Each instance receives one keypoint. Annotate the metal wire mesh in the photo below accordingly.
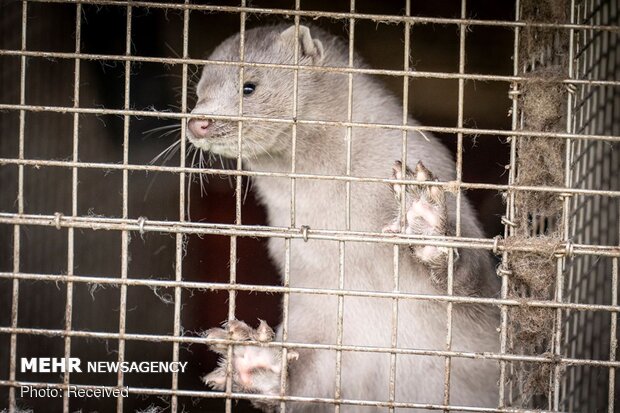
(582, 368)
(593, 335)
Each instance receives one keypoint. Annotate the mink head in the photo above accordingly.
(257, 92)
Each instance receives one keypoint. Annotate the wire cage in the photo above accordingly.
(120, 243)
(594, 164)
(583, 335)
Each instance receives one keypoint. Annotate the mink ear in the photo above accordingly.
(309, 47)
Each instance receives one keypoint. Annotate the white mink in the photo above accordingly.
(321, 204)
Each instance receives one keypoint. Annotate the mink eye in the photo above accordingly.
(248, 88)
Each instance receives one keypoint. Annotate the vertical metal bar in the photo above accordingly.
(294, 125)
(20, 209)
(232, 295)
(349, 135)
(340, 327)
(402, 206)
(394, 334)
(180, 238)
(448, 359)
(596, 231)
(613, 339)
(285, 305)
(459, 142)
(341, 244)
(406, 68)
(125, 234)
(74, 212)
(579, 265)
(459, 178)
(581, 69)
(572, 287)
(510, 212)
(577, 373)
(287, 241)
(561, 262)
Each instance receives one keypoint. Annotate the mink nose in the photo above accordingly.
(199, 127)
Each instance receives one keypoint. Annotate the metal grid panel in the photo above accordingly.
(594, 220)
(591, 175)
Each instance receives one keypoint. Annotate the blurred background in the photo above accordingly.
(47, 190)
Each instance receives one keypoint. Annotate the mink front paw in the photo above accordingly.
(425, 213)
(255, 368)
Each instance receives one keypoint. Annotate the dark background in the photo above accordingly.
(157, 32)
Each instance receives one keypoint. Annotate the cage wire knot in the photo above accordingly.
(141, 222)
(508, 222)
(304, 232)
(57, 217)
(502, 270)
(514, 91)
(565, 251)
(496, 240)
(571, 88)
